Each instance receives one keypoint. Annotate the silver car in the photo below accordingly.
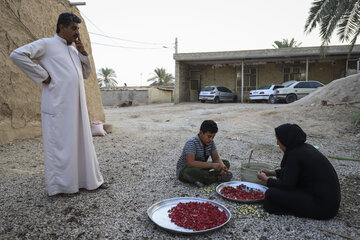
(217, 94)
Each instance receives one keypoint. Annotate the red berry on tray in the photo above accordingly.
(197, 216)
(242, 192)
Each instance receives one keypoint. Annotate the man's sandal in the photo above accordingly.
(105, 185)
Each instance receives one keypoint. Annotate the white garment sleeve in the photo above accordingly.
(85, 64)
(23, 56)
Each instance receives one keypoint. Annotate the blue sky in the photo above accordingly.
(141, 30)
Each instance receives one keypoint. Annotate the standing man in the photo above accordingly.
(69, 153)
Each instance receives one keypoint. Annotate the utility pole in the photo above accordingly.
(176, 80)
(176, 45)
(242, 82)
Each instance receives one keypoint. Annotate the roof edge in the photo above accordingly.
(267, 53)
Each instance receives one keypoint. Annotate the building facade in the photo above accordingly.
(242, 71)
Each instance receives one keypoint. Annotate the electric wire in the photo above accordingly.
(91, 22)
(120, 46)
(126, 40)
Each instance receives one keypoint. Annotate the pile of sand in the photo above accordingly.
(343, 90)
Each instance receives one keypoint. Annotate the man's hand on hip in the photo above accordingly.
(47, 81)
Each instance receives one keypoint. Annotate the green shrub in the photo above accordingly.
(356, 118)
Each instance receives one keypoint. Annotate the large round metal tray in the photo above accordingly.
(237, 183)
(158, 213)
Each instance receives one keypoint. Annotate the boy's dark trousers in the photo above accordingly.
(203, 175)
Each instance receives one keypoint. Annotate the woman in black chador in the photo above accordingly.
(306, 185)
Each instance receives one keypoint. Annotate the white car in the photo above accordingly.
(264, 93)
(294, 90)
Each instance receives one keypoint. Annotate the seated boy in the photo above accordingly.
(193, 166)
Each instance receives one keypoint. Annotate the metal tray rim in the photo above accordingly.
(220, 186)
(188, 231)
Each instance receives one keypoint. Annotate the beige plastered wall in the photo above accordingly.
(21, 22)
(270, 73)
(159, 96)
(224, 76)
(325, 72)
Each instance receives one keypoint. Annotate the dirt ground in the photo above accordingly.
(139, 161)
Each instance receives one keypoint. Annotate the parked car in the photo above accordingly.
(294, 90)
(264, 93)
(217, 94)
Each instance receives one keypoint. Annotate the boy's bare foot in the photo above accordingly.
(226, 178)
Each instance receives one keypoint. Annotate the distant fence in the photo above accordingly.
(112, 96)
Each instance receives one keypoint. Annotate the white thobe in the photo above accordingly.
(69, 153)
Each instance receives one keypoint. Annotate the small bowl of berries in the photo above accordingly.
(245, 192)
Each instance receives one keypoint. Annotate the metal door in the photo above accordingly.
(195, 85)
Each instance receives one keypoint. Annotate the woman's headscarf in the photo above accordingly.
(290, 135)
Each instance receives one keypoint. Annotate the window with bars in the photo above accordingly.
(352, 63)
(250, 78)
(293, 73)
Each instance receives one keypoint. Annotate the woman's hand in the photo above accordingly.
(262, 176)
(268, 172)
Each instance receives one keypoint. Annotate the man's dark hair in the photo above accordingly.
(208, 126)
(65, 19)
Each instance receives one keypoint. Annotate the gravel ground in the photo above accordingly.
(139, 161)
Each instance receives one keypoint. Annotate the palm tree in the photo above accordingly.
(286, 44)
(106, 76)
(100, 82)
(161, 78)
(343, 15)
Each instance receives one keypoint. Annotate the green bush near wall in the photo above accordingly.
(356, 119)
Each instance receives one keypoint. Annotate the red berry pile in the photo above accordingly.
(242, 192)
(197, 216)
